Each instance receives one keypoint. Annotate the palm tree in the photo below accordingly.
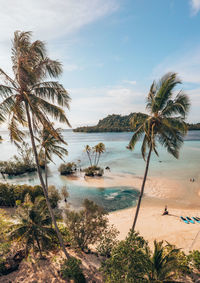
(163, 262)
(165, 123)
(29, 100)
(100, 149)
(88, 150)
(51, 145)
(33, 226)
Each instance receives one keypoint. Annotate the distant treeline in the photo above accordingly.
(117, 123)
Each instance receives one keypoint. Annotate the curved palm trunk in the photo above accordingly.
(98, 158)
(43, 184)
(142, 189)
(89, 158)
(45, 165)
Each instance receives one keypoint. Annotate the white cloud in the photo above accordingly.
(195, 4)
(90, 105)
(48, 19)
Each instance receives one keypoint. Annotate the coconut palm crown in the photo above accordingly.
(28, 90)
(165, 124)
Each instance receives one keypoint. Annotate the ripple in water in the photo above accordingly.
(111, 199)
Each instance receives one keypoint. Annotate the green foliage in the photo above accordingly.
(4, 241)
(34, 225)
(111, 123)
(107, 241)
(9, 194)
(93, 171)
(67, 168)
(87, 225)
(70, 270)
(164, 263)
(129, 261)
(23, 163)
(132, 260)
(54, 196)
(194, 258)
(118, 123)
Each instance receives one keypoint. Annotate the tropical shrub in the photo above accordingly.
(94, 171)
(87, 225)
(54, 196)
(34, 225)
(21, 163)
(108, 240)
(70, 270)
(164, 262)
(4, 241)
(132, 260)
(67, 169)
(14, 168)
(129, 261)
(9, 194)
(194, 258)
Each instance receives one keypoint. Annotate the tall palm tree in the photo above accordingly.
(29, 100)
(163, 262)
(165, 123)
(88, 151)
(33, 226)
(100, 149)
(51, 145)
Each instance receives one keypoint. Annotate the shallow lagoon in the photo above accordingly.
(119, 159)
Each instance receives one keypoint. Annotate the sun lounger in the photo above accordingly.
(195, 219)
(184, 220)
(190, 220)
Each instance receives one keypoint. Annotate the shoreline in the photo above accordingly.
(151, 224)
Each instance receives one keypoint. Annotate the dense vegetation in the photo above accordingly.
(118, 123)
(10, 195)
(21, 163)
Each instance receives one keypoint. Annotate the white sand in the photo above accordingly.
(151, 224)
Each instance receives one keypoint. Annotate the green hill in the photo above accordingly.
(117, 123)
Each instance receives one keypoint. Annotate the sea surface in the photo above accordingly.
(119, 159)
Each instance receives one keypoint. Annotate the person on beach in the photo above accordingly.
(166, 212)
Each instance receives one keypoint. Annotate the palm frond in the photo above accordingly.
(52, 91)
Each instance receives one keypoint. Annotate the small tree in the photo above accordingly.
(33, 226)
(129, 261)
(87, 225)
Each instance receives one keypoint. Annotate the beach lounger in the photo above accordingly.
(190, 220)
(184, 220)
(195, 219)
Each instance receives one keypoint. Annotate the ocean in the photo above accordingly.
(119, 159)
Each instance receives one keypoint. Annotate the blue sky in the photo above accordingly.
(111, 50)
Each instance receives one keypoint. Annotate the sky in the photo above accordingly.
(111, 50)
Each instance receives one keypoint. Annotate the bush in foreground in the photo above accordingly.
(70, 270)
(132, 261)
(87, 225)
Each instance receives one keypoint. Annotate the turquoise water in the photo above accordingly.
(119, 159)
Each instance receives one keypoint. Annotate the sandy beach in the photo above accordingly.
(181, 196)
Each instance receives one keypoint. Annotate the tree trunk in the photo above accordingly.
(142, 189)
(89, 158)
(45, 165)
(38, 244)
(43, 184)
(98, 158)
